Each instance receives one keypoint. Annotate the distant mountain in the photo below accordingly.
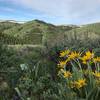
(13, 21)
(40, 32)
(31, 32)
(36, 26)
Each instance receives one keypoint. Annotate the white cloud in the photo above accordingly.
(69, 9)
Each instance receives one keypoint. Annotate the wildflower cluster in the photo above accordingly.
(78, 84)
(79, 77)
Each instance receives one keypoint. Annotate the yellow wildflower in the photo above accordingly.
(96, 74)
(85, 58)
(97, 59)
(62, 64)
(88, 56)
(79, 83)
(74, 55)
(67, 74)
(64, 53)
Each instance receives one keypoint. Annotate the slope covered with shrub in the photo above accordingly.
(31, 71)
(85, 36)
(34, 32)
(7, 25)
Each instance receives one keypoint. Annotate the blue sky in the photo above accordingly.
(52, 11)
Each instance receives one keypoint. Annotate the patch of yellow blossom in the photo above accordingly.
(97, 59)
(78, 84)
(67, 74)
(62, 63)
(74, 55)
(96, 74)
(88, 56)
(64, 53)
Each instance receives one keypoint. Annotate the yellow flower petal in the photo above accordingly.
(64, 53)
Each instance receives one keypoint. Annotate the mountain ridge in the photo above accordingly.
(40, 32)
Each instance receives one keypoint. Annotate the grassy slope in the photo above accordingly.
(90, 30)
(34, 32)
(7, 25)
(38, 32)
(86, 33)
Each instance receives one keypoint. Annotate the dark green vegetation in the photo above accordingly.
(36, 44)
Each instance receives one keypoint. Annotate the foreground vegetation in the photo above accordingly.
(41, 61)
(67, 75)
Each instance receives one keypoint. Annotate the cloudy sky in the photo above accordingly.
(52, 11)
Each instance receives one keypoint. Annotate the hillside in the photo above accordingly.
(4, 25)
(88, 35)
(39, 32)
(35, 26)
(32, 32)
